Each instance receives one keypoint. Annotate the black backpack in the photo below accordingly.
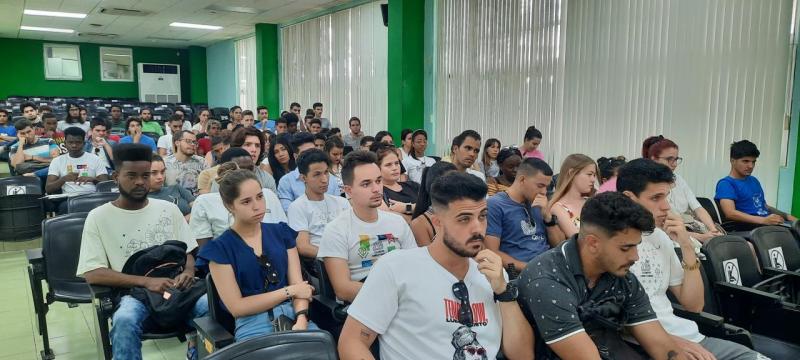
(173, 308)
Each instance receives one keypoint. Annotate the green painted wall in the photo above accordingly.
(793, 140)
(267, 67)
(198, 75)
(406, 64)
(23, 71)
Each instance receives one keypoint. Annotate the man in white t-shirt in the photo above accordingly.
(659, 269)
(76, 171)
(116, 230)
(309, 214)
(450, 300)
(165, 146)
(357, 238)
(464, 151)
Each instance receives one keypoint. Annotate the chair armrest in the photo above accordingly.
(757, 296)
(103, 298)
(338, 311)
(212, 335)
(771, 271)
(702, 318)
(36, 262)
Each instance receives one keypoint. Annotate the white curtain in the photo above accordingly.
(704, 73)
(610, 73)
(499, 68)
(246, 73)
(338, 60)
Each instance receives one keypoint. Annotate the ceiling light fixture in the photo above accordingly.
(196, 26)
(54, 13)
(47, 29)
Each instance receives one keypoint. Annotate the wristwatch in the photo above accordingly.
(301, 312)
(509, 295)
(553, 221)
(408, 209)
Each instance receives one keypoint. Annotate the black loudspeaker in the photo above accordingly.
(385, 14)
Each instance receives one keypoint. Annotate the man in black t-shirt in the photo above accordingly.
(581, 294)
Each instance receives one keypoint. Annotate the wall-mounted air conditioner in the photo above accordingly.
(159, 83)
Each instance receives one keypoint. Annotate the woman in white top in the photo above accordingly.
(209, 218)
(488, 164)
(575, 185)
(416, 161)
(202, 121)
(406, 143)
(73, 119)
(681, 199)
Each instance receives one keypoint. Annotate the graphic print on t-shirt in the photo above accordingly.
(651, 274)
(371, 247)
(465, 342)
(758, 201)
(148, 235)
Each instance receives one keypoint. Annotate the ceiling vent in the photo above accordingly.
(216, 8)
(97, 35)
(124, 12)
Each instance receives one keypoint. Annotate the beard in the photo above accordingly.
(459, 249)
(134, 197)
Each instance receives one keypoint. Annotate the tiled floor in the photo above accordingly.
(71, 329)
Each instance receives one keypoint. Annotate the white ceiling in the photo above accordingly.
(139, 30)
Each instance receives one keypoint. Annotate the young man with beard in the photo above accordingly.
(648, 183)
(183, 167)
(581, 293)
(116, 230)
(357, 238)
(464, 151)
(520, 224)
(449, 300)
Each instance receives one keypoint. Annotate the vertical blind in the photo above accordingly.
(704, 73)
(246, 73)
(499, 68)
(339, 60)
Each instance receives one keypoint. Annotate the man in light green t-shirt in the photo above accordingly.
(148, 124)
(116, 230)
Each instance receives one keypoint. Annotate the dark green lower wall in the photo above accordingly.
(22, 67)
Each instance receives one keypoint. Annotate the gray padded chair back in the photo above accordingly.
(290, 345)
(776, 247)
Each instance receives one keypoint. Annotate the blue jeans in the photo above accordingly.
(260, 324)
(126, 329)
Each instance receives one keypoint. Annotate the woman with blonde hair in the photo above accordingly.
(575, 184)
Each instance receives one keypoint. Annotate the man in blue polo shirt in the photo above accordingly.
(740, 195)
(291, 185)
(520, 224)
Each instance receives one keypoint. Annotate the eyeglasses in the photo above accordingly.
(671, 160)
(465, 310)
(272, 275)
(190, 142)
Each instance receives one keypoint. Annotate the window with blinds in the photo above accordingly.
(246, 73)
(597, 77)
(339, 60)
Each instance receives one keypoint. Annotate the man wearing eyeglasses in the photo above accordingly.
(183, 167)
(520, 224)
(99, 145)
(450, 300)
